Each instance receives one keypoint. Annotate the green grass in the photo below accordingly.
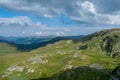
(7, 48)
(57, 61)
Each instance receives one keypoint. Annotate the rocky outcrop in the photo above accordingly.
(37, 59)
(96, 65)
(77, 74)
(115, 74)
(109, 44)
(16, 68)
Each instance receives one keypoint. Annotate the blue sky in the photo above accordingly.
(57, 17)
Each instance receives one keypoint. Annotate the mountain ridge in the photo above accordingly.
(30, 43)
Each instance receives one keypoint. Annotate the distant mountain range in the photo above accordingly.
(33, 42)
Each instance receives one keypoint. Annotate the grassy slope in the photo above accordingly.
(60, 57)
(6, 48)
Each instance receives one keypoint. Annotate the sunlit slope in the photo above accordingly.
(63, 60)
(103, 42)
(6, 48)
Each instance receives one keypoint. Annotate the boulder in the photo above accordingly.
(96, 66)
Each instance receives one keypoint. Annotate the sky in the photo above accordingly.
(57, 17)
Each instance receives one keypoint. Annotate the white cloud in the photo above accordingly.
(89, 13)
(88, 7)
(79, 10)
(60, 33)
(22, 25)
(24, 32)
(21, 21)
(38, 33)
(107, 19)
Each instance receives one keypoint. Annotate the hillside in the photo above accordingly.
(105, 42)
(90, 58)
(7, 48)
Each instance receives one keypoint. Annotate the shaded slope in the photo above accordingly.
(79, 73)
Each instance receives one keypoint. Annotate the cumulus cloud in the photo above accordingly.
(24, 26)
(38, 33)
(21, 25)
(60, 33)
(20, 21)
(88, 7)
(89, 11)
(24, 32)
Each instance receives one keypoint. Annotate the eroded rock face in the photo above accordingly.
(115, 74)
(109, 44)
(112, 46)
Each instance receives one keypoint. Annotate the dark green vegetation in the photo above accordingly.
(90, 58)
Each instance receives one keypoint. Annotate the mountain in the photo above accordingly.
(34, 42)
(27, 40)
(35, 39)
(106, 42)
(92, 57)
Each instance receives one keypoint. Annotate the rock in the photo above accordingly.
(31, 70)
(4, 76)
(83, 47)
(61, 53)
(109, 44)
(76, 54)
(116, 55)
(96, 65)
(68, 42)
(68, 66)
(37, 59)
(84, 57)
(115, 74)
(15, 68)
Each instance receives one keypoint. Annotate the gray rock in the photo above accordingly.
(115, 74)
(15, 68)
(96, 65)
